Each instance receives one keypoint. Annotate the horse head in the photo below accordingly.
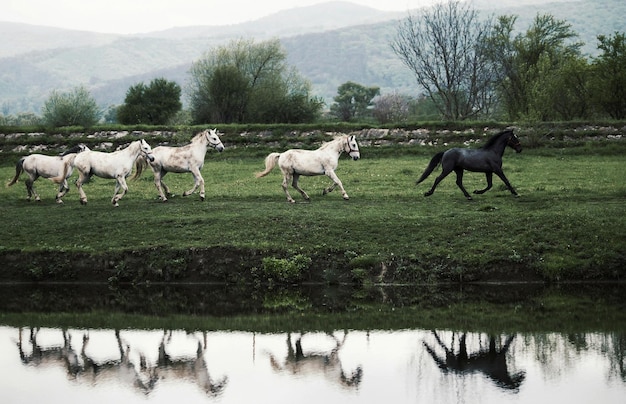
(146, 150)
(514, 143)
(214, 139)
(352, 147)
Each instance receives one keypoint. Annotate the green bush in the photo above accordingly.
(286, 270)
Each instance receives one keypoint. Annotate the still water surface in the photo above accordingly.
(128, 365)
(403, 366)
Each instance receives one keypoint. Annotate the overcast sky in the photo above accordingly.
(136, 16)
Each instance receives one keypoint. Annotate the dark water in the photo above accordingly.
(372, 363)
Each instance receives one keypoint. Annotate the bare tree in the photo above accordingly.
(444, 47)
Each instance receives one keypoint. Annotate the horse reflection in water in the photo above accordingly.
(140, 375)
(326, 363)
(491, 362)
(120, 369)
(195, 369)
(52, 355)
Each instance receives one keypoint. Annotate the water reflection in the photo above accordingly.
(490, 360)
(402, 366)
(112, 357)
(235, 344)
(326, 363)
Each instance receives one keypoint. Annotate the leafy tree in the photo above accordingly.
(21, 119)
(526, 60)
(74, 108)
(609, 76)
(249, 82)
(444, 48)
(561, 90)
(154, 104)
(352, 101)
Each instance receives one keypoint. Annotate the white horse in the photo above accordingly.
(116, 165)
(40, 165)
(323, 161)
(184, 159)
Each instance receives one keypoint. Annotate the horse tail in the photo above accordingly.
(434, 162)
(19, 169)
(66, 170)
(140, 164)
(270, 163)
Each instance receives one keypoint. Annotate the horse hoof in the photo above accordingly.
(428, 193)
(202, 198)
(60, 202)
(83, 202)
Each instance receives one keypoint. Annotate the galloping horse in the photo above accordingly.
(487, 159)
(188, 158)
(40, 165)
(323, 161)
(116, 165)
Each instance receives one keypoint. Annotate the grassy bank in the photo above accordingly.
(568, 224)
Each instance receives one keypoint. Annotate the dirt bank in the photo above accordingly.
(238, 266)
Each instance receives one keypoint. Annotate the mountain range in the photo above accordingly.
(329, 44)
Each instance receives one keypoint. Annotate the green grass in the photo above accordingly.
(568, 223)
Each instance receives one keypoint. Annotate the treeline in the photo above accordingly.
(467, 67)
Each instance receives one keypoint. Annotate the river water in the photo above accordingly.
(78, 364)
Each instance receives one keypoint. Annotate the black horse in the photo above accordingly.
(487, 159)
(491, 361)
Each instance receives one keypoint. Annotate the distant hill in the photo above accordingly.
(329, 44)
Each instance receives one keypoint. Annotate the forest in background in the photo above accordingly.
(109, 64)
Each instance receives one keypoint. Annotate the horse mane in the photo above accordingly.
(495, 138)
(197, 137)
(335, 138)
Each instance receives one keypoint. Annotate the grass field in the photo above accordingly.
(569, 222)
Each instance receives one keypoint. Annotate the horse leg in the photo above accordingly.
(441, 176)
(198, 182)
(82, 178)
(119, 184)
(336, 183)
(286, 178)
(294, 184)
(489, 176)
(30, 189)
(459, 182)
(63, 189)
(158, 183)
(500, 174)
